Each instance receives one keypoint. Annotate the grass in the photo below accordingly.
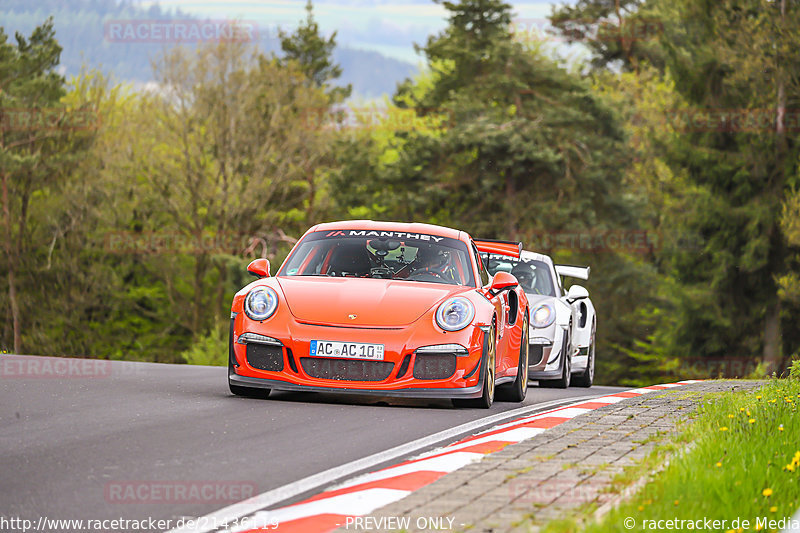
(743, 463)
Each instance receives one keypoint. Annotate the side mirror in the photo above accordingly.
(259, 268)
(577, 292)
(503, 281)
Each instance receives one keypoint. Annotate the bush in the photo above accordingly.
(209, 350)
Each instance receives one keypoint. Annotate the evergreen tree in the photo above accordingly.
(314, 54)
(33, 154)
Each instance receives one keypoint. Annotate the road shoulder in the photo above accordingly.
(572, 465)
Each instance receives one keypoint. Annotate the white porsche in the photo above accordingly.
(562, 323)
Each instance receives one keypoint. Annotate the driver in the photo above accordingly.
(430, 260)
(525, 276)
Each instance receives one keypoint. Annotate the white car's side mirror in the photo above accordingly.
(577, 292)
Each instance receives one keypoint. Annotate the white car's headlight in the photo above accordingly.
(261, 303)
(543, 316)
(455, 314)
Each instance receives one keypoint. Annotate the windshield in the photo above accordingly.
(533, 276)
(381, 254)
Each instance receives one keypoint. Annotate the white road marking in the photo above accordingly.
(444, 463)
(512, 435)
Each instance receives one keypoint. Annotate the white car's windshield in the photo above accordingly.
(381, 254)
(533, 276)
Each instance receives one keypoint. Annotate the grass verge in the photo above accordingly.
(742, 472)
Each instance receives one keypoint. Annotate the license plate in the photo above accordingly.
(349, 350)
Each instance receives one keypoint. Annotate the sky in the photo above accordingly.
(389, 27)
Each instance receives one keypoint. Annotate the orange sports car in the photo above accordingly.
(382, 308)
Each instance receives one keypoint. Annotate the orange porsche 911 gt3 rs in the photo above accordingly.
(382, 308)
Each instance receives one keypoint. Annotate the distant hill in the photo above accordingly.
(80, 26)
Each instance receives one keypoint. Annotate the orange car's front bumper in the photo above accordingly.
(283, 362)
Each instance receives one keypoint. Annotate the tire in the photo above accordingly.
(587, 377)
(515, 392)
(487, 398)
(566, 371)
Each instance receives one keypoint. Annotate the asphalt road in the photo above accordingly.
(135, 440)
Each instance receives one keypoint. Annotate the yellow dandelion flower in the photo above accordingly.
(766, 492)
(741, 409)
(677, 502)
(719, 465)
(724, 428)
(758, 397)
(748, 413)
(752, 420)
(773, 509)
(758, 527)
(730, 416)
(780, 428)
(641, 507)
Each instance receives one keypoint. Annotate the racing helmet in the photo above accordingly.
(526, 276)
(430, 257)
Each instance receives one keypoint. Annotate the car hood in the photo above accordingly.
(362, 301)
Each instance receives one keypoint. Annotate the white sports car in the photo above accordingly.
(562, 324)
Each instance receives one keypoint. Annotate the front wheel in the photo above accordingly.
(566, 370)
(487, 398)
(247, 392)
(515, 392)
(587, 377)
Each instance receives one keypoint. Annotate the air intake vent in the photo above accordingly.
(346, 369)
(265, 357)
(434, 366)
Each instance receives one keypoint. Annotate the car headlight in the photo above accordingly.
(543, 316)
(455, 314)
(261, 303)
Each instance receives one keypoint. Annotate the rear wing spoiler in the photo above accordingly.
(573, 271)
(491, 246)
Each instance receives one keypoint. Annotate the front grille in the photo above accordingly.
(535, 354)
(346, 369)
(434, 366)
(265, 357)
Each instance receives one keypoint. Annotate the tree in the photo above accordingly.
(619, 33)
(527, 145)
(229, 157)
(313, 53)
(743, 161)
(36, 150)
